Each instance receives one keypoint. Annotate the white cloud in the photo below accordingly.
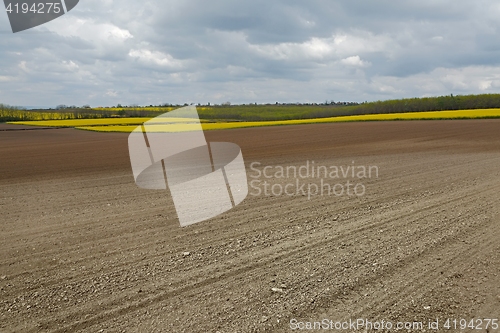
(70, 65)
(155, 57)
(111, 93)
(88, 29)
(4, 78)
(442, 81)
(336, 46)
(23, 66)
(355, 61)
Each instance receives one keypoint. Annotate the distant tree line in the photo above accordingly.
(441, 103)
(13, 113)
(260, 112)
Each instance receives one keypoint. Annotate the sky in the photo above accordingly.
(106, 52)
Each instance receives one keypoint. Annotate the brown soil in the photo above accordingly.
(83, 249)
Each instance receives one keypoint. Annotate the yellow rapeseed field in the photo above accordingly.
(147, 108)
(98, 122)
(127, 125)
(453, 114)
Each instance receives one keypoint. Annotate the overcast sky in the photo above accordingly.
(106, 52)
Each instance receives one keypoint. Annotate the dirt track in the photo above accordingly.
(83, 249)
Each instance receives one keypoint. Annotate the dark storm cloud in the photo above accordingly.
(109, 52)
